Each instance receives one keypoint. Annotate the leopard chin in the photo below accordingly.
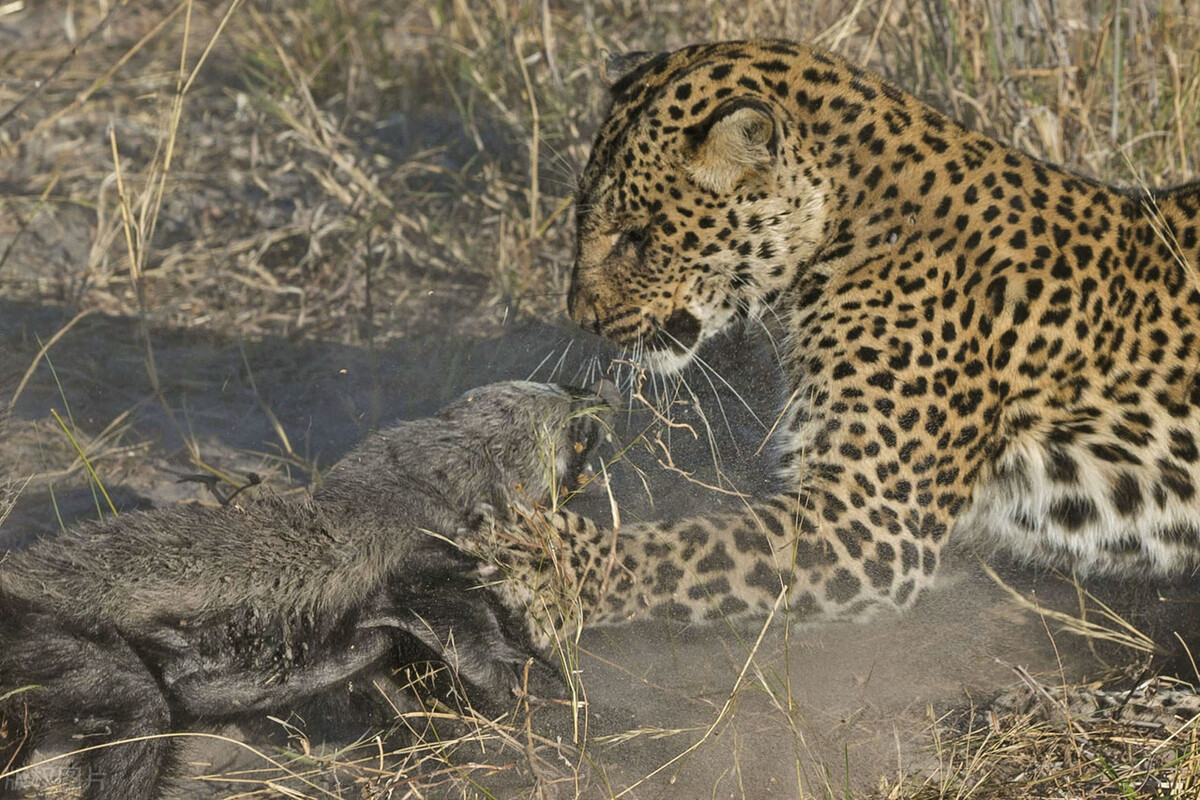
(667, 362)
(677, 341)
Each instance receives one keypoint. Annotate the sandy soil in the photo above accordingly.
(670, 713)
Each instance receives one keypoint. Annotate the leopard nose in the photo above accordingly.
(582, 308)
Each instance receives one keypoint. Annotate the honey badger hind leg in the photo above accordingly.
(70, 688)
(453, 619)
(229, 690)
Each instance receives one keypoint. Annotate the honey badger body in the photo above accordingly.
(131, 627)
(978, 344)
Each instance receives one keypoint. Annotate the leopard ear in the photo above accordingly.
(622, 68)
(738, 138)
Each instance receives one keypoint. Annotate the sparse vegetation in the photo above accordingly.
(1038, 742)
(286, 210)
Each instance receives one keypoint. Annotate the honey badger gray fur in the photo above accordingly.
(150, 621)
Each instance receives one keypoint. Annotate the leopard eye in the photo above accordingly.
(635, 238)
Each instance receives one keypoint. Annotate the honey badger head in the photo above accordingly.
(536, 437)
(514, 444)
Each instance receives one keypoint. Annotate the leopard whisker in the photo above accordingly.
(713, 446)
(592, 369)
(660, 400)
(632, 388)
(671, 391)
(533, 374)
(708, 369)
(771, 340)
(561, 168)
(558, 367)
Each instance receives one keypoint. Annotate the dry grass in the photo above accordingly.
(1128, 737)
(1041, 742)
(362, 172)
(332, 163)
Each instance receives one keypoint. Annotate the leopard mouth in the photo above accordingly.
(678, 333)
(671, 347)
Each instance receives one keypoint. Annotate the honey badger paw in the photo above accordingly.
(977, 344)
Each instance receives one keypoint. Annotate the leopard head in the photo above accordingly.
(694, 211)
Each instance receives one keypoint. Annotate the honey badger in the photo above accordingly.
(153, 621)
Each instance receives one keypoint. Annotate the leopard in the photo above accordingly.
(978, 346)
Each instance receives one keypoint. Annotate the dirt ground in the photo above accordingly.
(670, 713)
(341, 224)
